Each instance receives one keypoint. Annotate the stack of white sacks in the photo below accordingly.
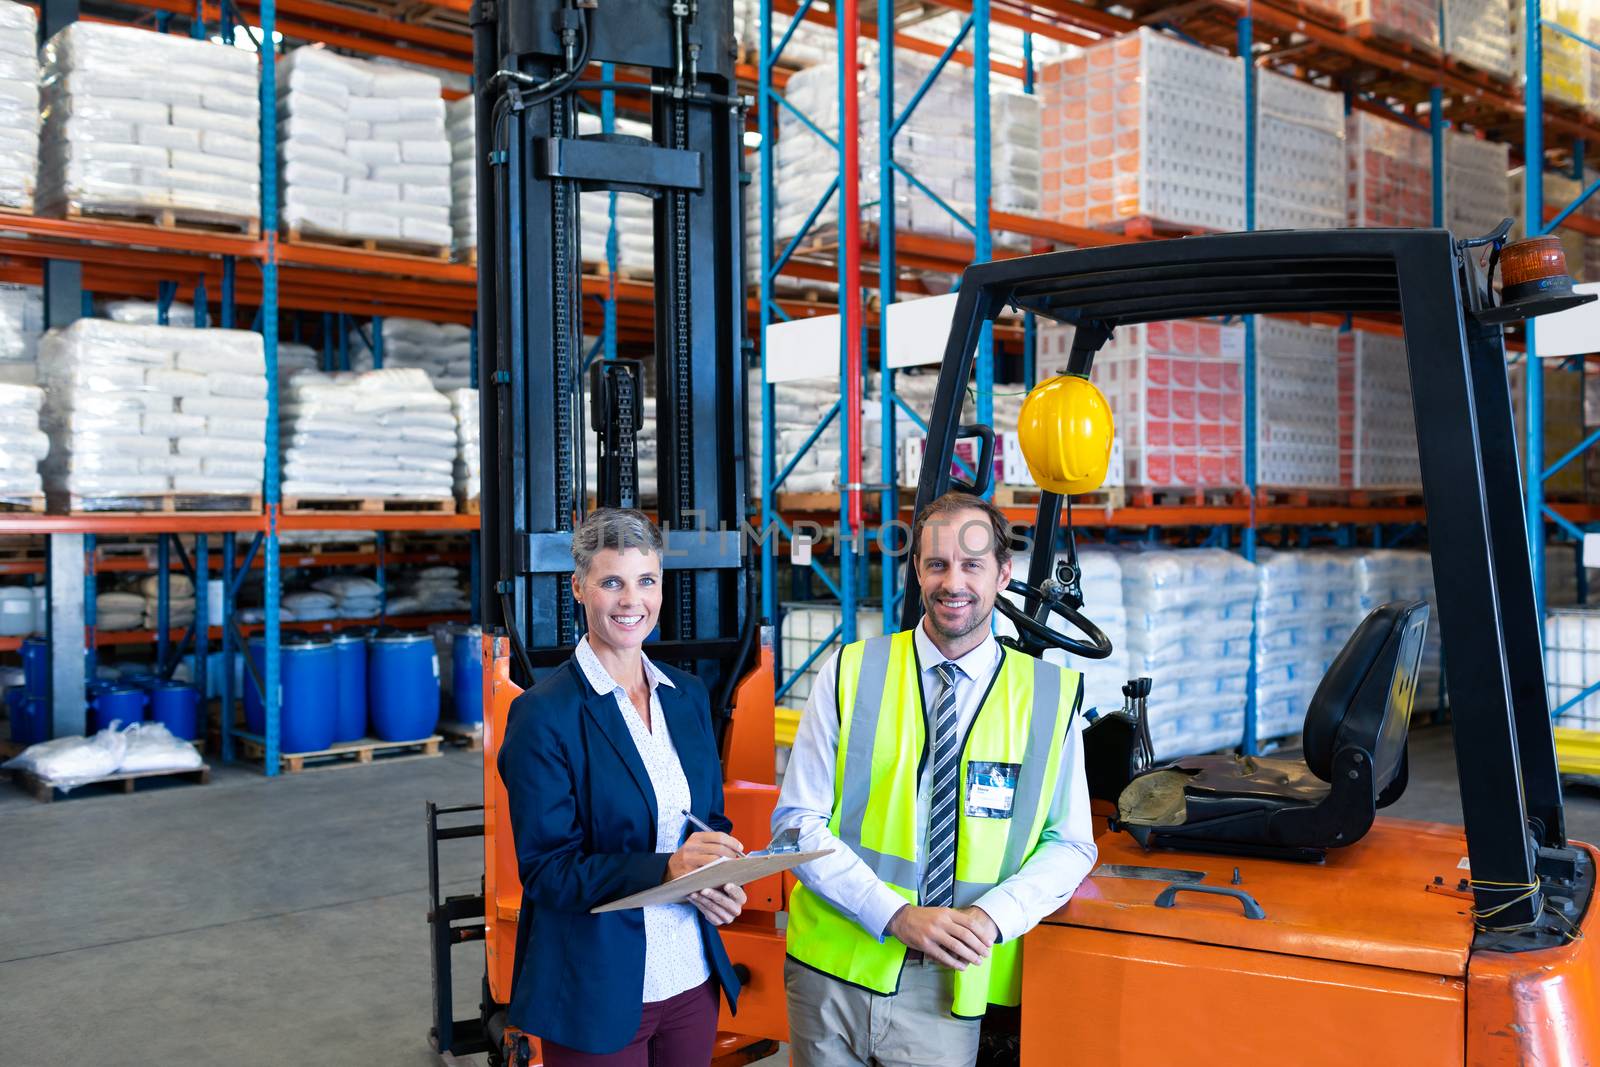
(21, 324)
(141, 123)
(382, 433)
(635, 212)
(460, 126)
(118, 609)
(1304, 604)
(1189, 623)
(180, 601)
(430, 591)
(355, 597)
(1101, 578)
(441, 349)
(148, 312)
(644, 448)
(294, 357)
(135, 410)
(363, 150)
(19, 104)
(937, 144)
(22, 444)
(469, 458)
(811, 42)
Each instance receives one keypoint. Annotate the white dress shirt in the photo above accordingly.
(1047, 878)
(674, 956)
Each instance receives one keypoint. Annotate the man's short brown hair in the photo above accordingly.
(956, 500)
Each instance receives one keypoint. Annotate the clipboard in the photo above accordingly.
(784, 854)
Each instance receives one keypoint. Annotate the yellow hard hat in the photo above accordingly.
(1065, 430)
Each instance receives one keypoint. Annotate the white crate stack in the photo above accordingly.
(1477, 184)
(363, 150)
(19, 105)
(149, 125)
(1300, 158)
(1304, 602)
(1389, 166)
(22, 444)
(1190, 630)
(1478, 33)
(469, 458)
(1410, 21)
(459, 123)
(1572, 664)
(1144, 126)
(1377, 427)
(381, 433)
(1297, 429)
(937, 145)
(804, 628)
(138, 410)
(443, 350)
(1176, 391)
(21, 324)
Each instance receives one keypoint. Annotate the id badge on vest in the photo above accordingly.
(991, 788)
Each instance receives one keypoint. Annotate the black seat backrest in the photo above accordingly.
(1365, 698)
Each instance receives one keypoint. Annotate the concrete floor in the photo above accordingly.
(273, 922)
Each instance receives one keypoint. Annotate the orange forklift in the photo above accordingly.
(1245, 910)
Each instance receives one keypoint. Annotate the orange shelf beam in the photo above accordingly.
(123, 523)
(375, 520)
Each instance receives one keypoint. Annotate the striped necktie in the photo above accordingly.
(940, 883)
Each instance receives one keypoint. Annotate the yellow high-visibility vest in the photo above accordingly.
(1014, 743)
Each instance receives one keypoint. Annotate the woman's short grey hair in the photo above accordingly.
(618, 528)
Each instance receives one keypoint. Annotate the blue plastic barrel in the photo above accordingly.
(307, 678)
(350, 655)
(118, 703)
(30, 719)
(402, 685)
(466, 674)
(176, 705)
(36, 667)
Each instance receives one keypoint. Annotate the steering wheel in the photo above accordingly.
(1098, 645)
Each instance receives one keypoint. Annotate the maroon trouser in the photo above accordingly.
(676, 1032)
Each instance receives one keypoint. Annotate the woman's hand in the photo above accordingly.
(700, 849)
(719, 906)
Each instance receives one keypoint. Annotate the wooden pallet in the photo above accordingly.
(1027, 496)
(176, 219)
(1280, 496)
(349, 754)
(156, 503)
(469, 257)
(1145, 226)
(1491, 79)
(44, 792)
(470, 507)
(418, 249)
(1398, 498)
(305, 505)
(1382, 37)
(1155, 496)
(467, 735)
(22, 505)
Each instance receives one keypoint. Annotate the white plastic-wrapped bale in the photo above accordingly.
(363, 151)
(382, 433)
(22, 444)
(19, 104)
(1190, 630)
(294, 357)
(442, 349)
(21, 324)
(137, 411)
(434, 590)
(1304, 601)
(469, 460)
(148, 312)
(460, 126)
(635, 212)
(149, 125)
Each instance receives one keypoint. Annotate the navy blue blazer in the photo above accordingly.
(584, 816)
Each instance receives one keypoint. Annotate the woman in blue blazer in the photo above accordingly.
(601, 758)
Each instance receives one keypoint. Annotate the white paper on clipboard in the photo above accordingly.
(719, 872)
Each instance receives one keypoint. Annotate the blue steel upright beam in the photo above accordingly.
(1247, 536)
(888, 287)
(608, 125)
(1533, 214)
(1436, 128)
(270, 577)
(847, 26)
(983, 238)
(766, 107)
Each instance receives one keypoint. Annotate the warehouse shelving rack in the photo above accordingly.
(1430, 93)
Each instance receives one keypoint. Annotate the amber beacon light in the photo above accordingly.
(1533, 281)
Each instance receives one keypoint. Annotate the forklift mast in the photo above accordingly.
(537, 65)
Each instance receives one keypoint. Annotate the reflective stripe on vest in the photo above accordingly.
(1023, 718)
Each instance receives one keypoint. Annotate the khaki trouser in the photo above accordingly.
(834, 1024)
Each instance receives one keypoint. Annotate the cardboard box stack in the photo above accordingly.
(1300, 155)
(1389, 171)
(1377, 429)
(1297, 429)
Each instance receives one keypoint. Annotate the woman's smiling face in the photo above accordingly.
(621, 596)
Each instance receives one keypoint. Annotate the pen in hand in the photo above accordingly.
(701, 824)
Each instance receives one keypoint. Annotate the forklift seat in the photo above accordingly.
(1354, 762)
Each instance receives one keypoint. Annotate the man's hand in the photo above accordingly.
(982, 925)
(949, 937)
(699, 849)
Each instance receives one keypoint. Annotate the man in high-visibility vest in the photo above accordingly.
(946, 773)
